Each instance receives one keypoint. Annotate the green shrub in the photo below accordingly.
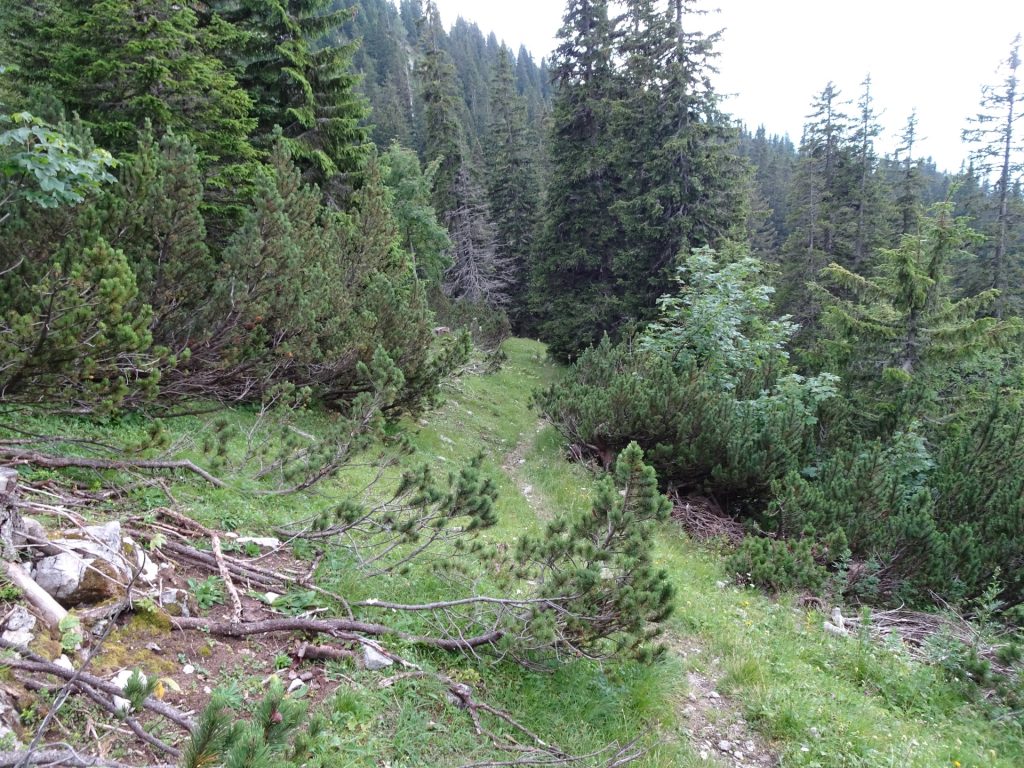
(779, 565)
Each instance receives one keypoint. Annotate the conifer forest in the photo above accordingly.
(376, 392)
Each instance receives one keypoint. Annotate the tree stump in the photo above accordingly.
(10, 518)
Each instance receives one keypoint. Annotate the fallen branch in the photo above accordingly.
(108, 706)
(51, 611)
(63, 462)
(344, 628)
(63, 755)
(39, 665)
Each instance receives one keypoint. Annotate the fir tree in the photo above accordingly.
(899, 335)
(443, 137)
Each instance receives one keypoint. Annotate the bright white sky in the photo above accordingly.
(932, 55)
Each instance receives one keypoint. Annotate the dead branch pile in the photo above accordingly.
(703, 520)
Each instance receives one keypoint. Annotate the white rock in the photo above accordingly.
(721, 584)
(64, 663)
(266, 542)
(148, 571)
(60, 574)
(20, 638)
(374, 659)
(528, 489)
(724, 745)
(713, 695)
(296, 685)
(188, 669)
(271, 597)
(121, 678)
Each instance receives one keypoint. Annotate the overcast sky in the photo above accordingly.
(932, 55)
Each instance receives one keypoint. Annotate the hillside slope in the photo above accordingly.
(746, 680)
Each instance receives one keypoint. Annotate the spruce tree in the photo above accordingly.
(898, 335)
(822, 222)
(572, 294)
(513, 189)
(121, 65)
(1000, 154)
(443, 137)
(301, 85)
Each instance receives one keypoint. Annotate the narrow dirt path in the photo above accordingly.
(514, 465)
(712, 723)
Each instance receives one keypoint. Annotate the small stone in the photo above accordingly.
(292, 674)
(374, 660)
(714, 695)
(122, 704)
(121, 680)
(296, 685)
(749, 746)
(188, 669)
(527, 490)
(724, 745)
(154, 648)
(64, 662)
(738, 755)
(446, 440)
(692, 697)
(20, 620)
(20, 638)
(306, 676)
(271, 597)
(721, 584)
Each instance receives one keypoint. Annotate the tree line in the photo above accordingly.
(279, 200)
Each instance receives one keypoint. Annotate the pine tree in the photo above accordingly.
(155, 216)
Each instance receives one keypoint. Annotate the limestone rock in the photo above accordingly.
(74, 579)
(177, 602)
(374, 660)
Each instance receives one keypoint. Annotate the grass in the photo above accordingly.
(820, 700)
